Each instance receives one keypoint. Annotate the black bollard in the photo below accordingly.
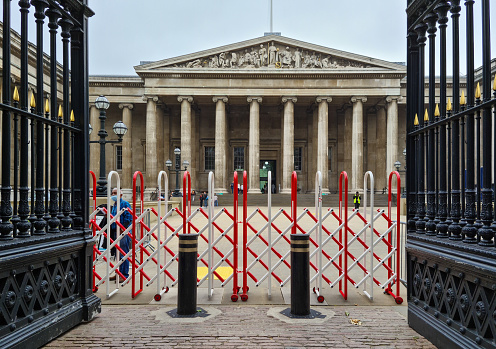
(187, 274)
(300, 275)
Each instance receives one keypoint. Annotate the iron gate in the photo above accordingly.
(45, 243)
(450, 244)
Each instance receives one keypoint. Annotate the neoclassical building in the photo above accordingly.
(271, 102)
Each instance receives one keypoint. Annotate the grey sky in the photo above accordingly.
(125, 32)
(122, 34)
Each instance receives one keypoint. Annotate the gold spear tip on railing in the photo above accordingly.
(47, 106)
(16, 94)
(462, 98)
(426, 115)
(477, 91)
(494, 85)
(60, 111)
(436, 112)
(33, 102)
(416, 122)
(72, 115)
(448, 107)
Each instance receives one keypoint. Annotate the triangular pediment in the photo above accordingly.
(271, 53)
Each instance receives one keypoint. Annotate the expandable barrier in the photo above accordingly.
(346, 247)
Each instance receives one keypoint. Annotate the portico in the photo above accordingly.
(308, 108)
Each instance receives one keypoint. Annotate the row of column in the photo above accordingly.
(287, 139)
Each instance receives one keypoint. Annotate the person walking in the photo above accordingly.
(125, 242)
(356, 200)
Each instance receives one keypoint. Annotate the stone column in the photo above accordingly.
(127, 153)
(151, 142)
(254, 146)
(94, 147)
(220, 144)
(380, 176)
(392, 132)
(357, 144)
(185, 131)
(323, 140)
(288, 147)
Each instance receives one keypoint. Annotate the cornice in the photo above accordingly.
(274, 75)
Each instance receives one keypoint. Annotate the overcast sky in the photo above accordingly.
(125, 32)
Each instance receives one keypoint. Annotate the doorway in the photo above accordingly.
(265, 167)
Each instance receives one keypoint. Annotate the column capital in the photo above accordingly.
(147, 97)
(224, 99)
(287, 99)
(129, 106)
(321, 99)
(256, 99)
(355, 99)
(185, 98)
(389, 99)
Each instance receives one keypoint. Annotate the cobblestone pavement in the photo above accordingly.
(242, 326)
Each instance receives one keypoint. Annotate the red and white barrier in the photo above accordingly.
(265, 247)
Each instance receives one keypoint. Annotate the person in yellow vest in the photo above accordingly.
(356, 201)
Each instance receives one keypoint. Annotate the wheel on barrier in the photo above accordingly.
(398, 300)
(244, 297)
(234, 298)
(314, 290)
(157, 297)
(95, 289)
(166, 289)
(247, 288)
(320, 299)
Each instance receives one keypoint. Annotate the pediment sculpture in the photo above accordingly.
(273, 55)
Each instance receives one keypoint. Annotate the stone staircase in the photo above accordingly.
(303, 200)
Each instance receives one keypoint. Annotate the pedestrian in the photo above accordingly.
(356, 201)
(273, 188)
(193, 194)
(241, 189)
(205, 195)
(202, 197)
(125, 242)
(232, 187)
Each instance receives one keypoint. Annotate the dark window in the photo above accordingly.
(329, 159)
(209, 158)
(118, 157)
(239, 158)
(297, 158)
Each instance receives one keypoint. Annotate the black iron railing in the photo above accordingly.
(45, 243)
(451, 168)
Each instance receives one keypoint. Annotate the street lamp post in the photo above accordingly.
(177, 169)
(119, 128)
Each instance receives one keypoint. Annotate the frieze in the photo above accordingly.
(273, 56)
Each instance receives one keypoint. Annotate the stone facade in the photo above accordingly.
(300, 106)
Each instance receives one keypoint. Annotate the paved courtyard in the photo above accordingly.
(257, 323)
(243, 326)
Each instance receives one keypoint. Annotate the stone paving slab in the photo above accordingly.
(242, 326)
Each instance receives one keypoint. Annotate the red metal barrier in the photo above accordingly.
(93, 228)
(133, 237)
(343, 177)
(234, 296)
(389, 290)
(244, 295)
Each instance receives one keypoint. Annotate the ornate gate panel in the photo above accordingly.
(451, 253)
(45, 244)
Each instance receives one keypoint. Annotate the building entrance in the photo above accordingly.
(265, 167)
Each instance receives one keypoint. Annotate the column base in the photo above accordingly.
(285, 191)
(221, 191)
(254, 191)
